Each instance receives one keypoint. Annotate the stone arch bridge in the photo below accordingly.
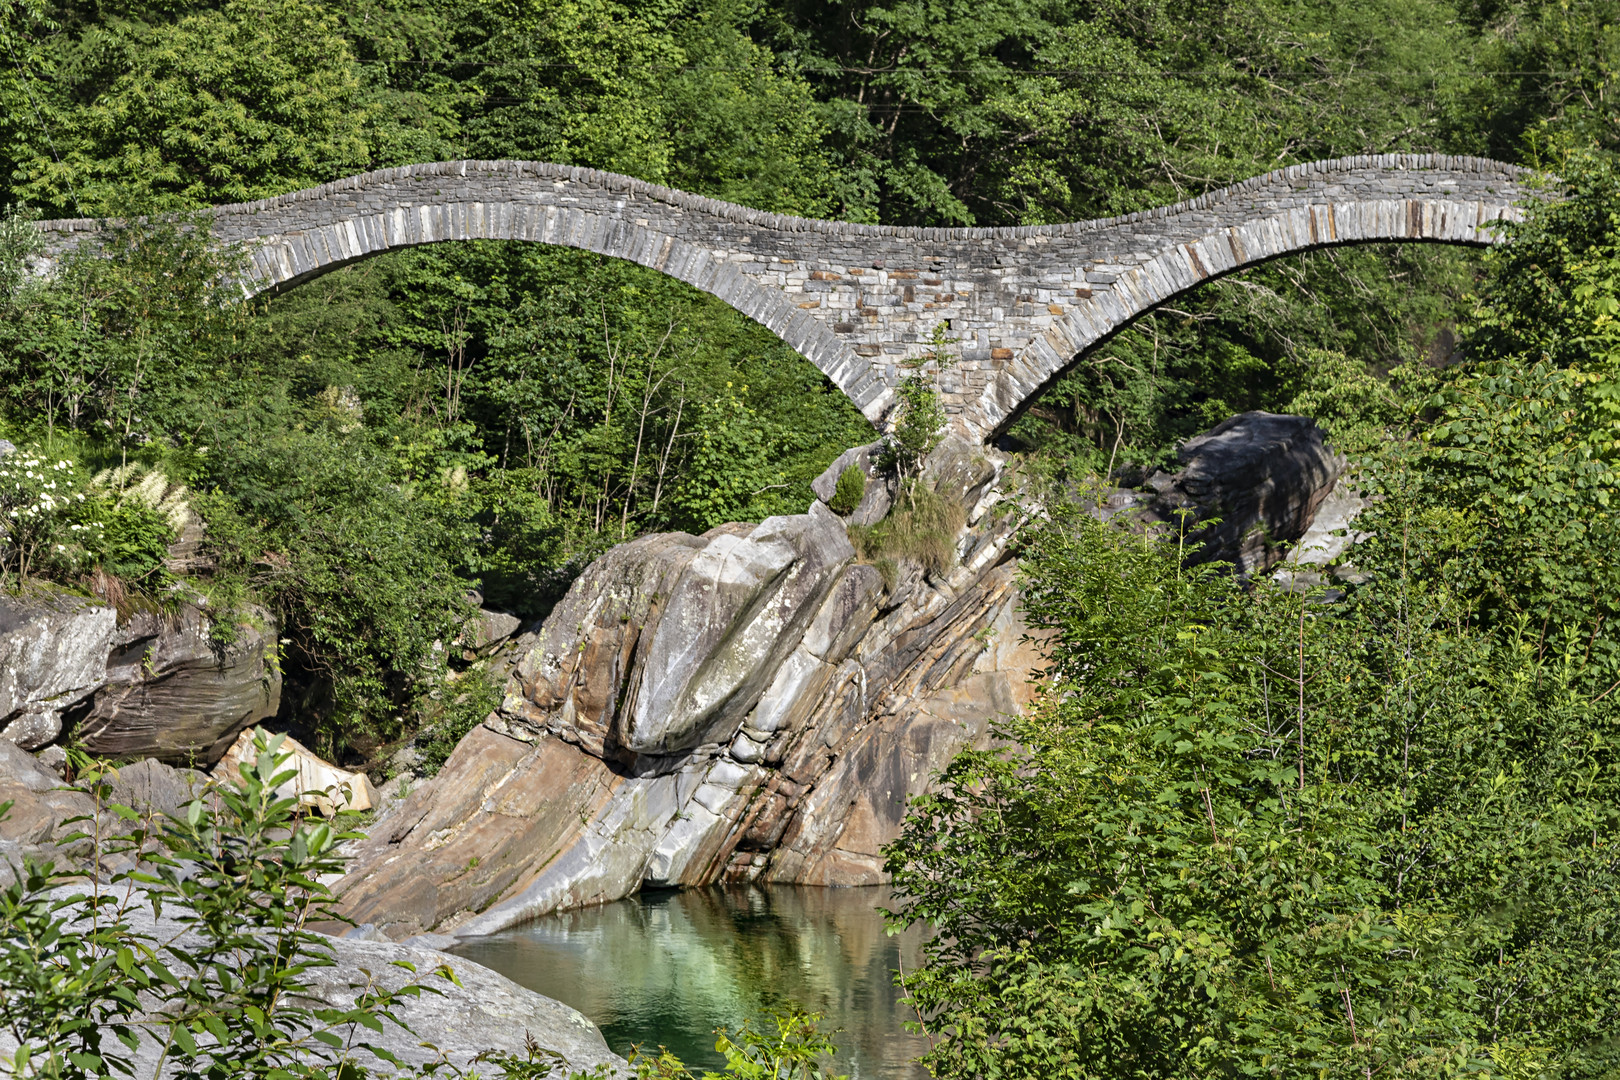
(858, 300)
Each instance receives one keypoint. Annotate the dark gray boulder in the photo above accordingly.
(175, 694)
(1250, 486)
(151, 788)
(42, 807)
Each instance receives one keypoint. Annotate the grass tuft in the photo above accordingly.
(922, 527)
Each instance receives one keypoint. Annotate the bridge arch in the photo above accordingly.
(858, 301)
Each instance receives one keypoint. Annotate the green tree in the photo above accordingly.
(1254, 831)
(219, 106)
(1247, 833)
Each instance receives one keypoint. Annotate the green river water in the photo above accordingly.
(667, 968)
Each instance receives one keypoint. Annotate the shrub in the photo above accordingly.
(1246, 832)
(40, 519)
(475, 696)
(242, 871)
(851, 488)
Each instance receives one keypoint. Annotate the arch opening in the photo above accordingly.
(1314, 332)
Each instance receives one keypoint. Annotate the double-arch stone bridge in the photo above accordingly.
(859, 301)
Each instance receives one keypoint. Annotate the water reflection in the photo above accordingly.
(668, 968)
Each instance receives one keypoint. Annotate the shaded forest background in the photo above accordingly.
(369, 447)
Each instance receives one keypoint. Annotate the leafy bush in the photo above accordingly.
(918, 422)
(473, 696)
(796, 1050)
(850, 489)
(1249, 833)
(134, 543)
(41, 526)
(241, 871)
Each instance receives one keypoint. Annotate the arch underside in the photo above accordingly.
(860, 302)
(1174, 272)
(278, 267)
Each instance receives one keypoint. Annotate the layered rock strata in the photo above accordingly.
(155, 684)
(750, 704)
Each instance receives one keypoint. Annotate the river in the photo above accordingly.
(667, 968)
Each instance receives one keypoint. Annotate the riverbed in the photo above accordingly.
(667, 968)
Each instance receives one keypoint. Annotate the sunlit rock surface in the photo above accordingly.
(751, 704)
(156, 683)
(477, 1012)
(53, 655)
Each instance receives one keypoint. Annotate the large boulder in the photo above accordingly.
(1249, 488)
(664, 644)
(755, 705)
(747, 704)
(174, 693)
(575, 671)
(53, 655)
(735, 613)
(42, 811)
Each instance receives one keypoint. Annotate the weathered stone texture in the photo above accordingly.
(156, 685)
(53, 655)
(699, 706)
(172, 693)
(857, 300)
(459, 1019)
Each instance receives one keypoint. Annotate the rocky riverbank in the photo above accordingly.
(758, 703)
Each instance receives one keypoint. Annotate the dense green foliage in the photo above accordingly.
(368, 448)
(1260, 831)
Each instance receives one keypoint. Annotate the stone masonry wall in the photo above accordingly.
(859, 300)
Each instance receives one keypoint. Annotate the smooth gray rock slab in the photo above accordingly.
(53, 654)
(736, 611)
(149, 787)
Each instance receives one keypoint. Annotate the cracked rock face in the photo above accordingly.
(173, 694)
(157, 685)
(749, 704)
